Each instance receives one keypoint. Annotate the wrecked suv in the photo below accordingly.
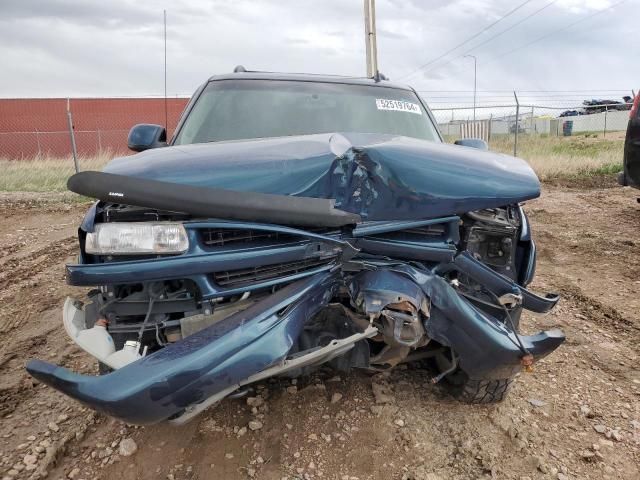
(295, 221)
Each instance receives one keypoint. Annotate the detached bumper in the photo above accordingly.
(168, 382)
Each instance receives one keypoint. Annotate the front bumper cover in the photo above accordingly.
(181, 375)
(183, 378)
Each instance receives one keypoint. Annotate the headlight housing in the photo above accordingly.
(137, 238)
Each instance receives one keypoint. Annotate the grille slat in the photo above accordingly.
(222, 237)
(247, 276)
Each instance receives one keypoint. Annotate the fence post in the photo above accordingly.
(38, 140)
(515, 139)
(490, 125)
(451, 123)
(532, 122)
(74, 150)
(606, 110)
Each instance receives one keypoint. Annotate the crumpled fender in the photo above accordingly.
(165, 383)
(485, 346)
(500, 285)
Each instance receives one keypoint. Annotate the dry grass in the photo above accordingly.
(550, 157)
(557, 157)
(44, 174)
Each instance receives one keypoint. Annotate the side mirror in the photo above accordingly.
(145, 136)
(473, 143)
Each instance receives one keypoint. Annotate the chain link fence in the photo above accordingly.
(36, 147)
(503, 124)
(557, 138)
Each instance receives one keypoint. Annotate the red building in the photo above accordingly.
(38, 126)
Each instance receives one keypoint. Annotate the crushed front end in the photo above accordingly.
(187, 309)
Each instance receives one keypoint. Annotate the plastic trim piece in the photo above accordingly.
(313, 357)
(164, 384)
(210, 202)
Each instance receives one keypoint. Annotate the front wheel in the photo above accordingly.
(470, 390)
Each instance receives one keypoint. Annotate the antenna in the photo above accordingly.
(166, 115)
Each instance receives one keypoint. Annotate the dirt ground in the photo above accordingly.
(577, 416)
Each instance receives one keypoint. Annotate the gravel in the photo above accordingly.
(127, 447)
(255, 425)
(589, 428)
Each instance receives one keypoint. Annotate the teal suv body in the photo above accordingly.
(291, 222)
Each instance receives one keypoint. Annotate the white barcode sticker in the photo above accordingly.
(398, 106)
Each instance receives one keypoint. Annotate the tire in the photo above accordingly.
(471, 390)
(483, 391)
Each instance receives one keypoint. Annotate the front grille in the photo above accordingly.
(248, 276)
(217, 237)
(436, 230)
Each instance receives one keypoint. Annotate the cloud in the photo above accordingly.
(65, 48)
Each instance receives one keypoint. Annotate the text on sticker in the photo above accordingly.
(398, 105)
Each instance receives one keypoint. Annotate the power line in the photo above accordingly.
(554, 32)
(524, 95)
(468, 39)
(524, 91)
(497, 34)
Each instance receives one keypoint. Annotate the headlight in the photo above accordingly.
(137, 238)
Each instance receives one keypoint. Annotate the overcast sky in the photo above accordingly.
(115, 47)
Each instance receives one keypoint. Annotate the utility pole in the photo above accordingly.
(166, 110)
(370, 37)
(475, 83)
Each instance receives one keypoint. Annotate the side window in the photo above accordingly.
(187, 108)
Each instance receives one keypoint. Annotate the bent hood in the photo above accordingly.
(379, 177)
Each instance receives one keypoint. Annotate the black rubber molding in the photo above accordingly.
(211, 202)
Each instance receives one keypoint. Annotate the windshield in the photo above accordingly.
(244, 109)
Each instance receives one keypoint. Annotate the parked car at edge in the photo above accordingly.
(631, 163)
(294, 221)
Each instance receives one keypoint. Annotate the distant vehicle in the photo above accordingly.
(512, 128)
(598, 106)
(631, 163)
(571, 113)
